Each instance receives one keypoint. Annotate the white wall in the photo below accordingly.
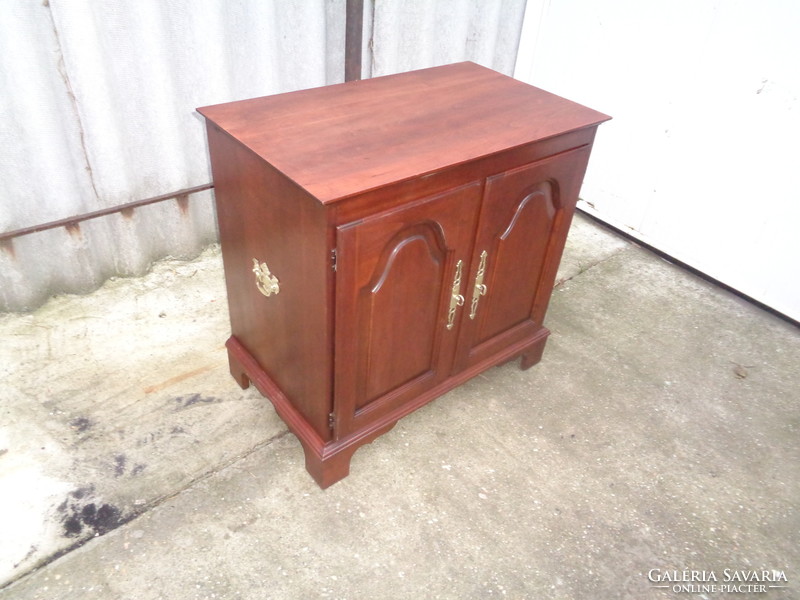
(701, 157)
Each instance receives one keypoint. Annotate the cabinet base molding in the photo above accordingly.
(329, 462)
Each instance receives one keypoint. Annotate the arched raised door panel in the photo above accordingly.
(394, 282)
(524, 219)
(398, 339)
(515, 257)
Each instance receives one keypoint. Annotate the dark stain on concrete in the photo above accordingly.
(120, 460)
(184, 402)
(149, 438)
(103, 518)
(72, 526)
(81, 492)
(80, 514)
(81, 424)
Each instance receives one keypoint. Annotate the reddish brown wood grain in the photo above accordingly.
(393, 297)
(263, 215)
(524, 221)
(363, 198)
(345, 139)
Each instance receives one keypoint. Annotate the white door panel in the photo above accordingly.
(701, 158)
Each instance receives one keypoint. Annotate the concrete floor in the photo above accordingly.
(660, 431)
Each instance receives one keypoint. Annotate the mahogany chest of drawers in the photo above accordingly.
(386, 240)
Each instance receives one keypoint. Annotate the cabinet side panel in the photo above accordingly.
(264, 216)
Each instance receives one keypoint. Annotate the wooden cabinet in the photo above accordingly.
(386, 240)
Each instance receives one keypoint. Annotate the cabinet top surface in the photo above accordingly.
(340, 140)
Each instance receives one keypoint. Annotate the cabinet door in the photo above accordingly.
(395, 330)
(525, 216)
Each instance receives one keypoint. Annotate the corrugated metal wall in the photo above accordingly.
(402, 35)
(97, 104)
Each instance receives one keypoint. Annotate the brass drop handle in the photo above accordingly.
(456, 299)
(479, 289)
(266, 282)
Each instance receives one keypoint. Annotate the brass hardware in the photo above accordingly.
(479, 289)
(266, 282)
(456, 299)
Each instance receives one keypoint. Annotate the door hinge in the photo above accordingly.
(331, 421)
(333, 259)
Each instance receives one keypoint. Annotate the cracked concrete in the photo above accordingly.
(116, 399)
(660, 431)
